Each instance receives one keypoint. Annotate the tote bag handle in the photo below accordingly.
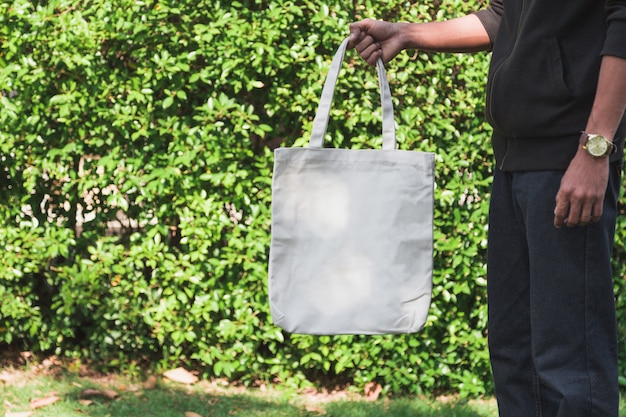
(323, 111)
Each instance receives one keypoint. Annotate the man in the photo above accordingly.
(556, 96)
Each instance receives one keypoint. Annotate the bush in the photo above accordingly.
(136, 160)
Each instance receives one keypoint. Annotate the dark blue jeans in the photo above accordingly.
(552, 327)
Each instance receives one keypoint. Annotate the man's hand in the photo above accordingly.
(375, 39)
(581, 196)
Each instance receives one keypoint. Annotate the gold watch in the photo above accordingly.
(596, 145)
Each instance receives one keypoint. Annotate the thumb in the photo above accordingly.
(355, 34)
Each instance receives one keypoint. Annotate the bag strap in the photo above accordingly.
(323, 111)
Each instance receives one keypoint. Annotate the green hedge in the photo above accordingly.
(135, 161)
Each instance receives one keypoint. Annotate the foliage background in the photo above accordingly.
(135, 162)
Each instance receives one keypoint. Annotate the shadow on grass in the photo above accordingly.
(404, 408)
(169, 400)
(176, 400)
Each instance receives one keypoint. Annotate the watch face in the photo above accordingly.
(597, 145)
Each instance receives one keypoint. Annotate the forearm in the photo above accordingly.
(579, 200)
(463, 34)
(610, 101)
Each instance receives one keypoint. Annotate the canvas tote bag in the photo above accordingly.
(352, 240)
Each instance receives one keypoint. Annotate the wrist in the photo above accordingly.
(409, 35)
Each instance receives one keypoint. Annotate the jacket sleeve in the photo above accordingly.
(615, 43)
(491, 18)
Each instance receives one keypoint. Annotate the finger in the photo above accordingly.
(574, 216)
(372, 53)
(369, 50)
(596, 214)
(560, 212)
(364, 43)
(586, 215)
(559, 221)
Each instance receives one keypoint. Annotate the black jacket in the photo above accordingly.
(543, 76)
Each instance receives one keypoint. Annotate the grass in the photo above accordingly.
(28, 390)
(119, 396)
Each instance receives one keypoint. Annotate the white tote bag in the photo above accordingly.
(352, 232)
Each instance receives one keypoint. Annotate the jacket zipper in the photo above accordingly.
(495, 74)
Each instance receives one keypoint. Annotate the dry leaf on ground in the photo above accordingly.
(89, 392)
(191, 414)
(44, 402)
(8, 377)
(19, 414)
(372, 391)
(109, 394)
(181, 375)
(151, 382)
